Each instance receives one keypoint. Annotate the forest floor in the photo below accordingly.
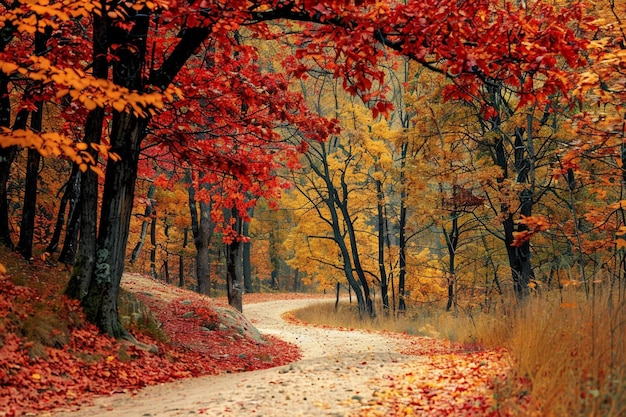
(341, 372)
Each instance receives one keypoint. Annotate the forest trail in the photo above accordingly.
(333, 378)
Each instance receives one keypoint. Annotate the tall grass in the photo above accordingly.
(568, 350)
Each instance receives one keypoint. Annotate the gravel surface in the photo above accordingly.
(333, 378)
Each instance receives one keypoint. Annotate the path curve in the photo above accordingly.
(333, 378)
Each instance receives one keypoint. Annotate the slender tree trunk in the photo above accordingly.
(181, 261)
(234, 266)
(384, 291)
(69, 194)
(402, 240)
(452, 240)
(68, 251)
(29, 208)
(144, 224)
(247, 265)
(202, 229)
(153, 245)
(7, 156)
(296, 280)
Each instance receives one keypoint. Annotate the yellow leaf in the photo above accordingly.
(3, 269)
(36, 376)
(82, 146)
(97, 170)
(119, 105)
(90, 104)
(8, 67)
(620, 243)
(62, 93)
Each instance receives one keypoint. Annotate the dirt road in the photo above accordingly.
(333, 378)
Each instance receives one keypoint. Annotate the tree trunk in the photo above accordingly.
(296, 280)
(234, 266)
(100, 304)
(69, 197)
(402, 240)
(68, 251)
(181, 261)
(144, 224)
(202, 229)
(29, 208)
(128, 130)
(384, 291)
(153, 245)
(82, 272)
(452, 241)
(247, 265)
(7, 156)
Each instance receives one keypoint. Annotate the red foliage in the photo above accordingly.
(91, 364)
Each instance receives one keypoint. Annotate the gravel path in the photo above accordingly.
(333, 378)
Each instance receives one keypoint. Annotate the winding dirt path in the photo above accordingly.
(333, 378)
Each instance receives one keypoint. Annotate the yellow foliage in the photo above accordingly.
(52, 144)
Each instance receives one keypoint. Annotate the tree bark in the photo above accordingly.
(144, 224)
(247, 262)
(69, 197)
(202, 229)
(128, 130)
(234, 266)
(83, 270)
(384, 291)
(402, 240)
(29, 208)
(7, 156)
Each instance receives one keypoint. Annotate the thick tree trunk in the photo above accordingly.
(128, 130)
(100, 303)
(83, 270)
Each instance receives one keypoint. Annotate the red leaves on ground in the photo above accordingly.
(448, 384)
(89, 363)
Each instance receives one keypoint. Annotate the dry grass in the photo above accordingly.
(569, 350)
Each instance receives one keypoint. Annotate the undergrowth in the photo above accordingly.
(569, 350)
